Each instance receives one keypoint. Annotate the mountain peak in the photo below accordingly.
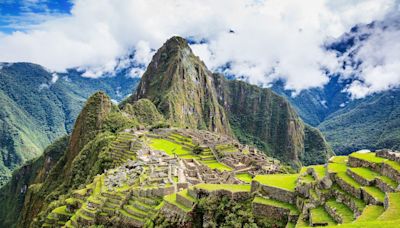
(182, 88)
(176, 41)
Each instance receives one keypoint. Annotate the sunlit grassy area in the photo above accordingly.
(216, 165)
(336, 167)
(393, 211)
(229, 187)
(172, 200)
(168, 147)
(339, 159)
(244, 177)
(370, 213)
(375, 192)
(349, 180)
(319, 215)
(320, 171)
(368, 157)
(284, 181)
(365, 173)
(345, 212)
(276, 203)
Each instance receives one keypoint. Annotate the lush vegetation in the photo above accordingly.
(284, 181)
(36, 111)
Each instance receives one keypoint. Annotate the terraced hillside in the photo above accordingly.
(165, 183)
(162, 173)
(170, 177)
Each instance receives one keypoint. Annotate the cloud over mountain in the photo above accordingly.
(259, 41)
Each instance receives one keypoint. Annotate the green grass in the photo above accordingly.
(372, 224)
(370, 213)
(172, 200)
(360, 204)
(216, 165)
(344, 211)
(393, 164)
(388, 181)
(339, 159)
(365, 173)
(276, 203)
(349, 180)
(185, 194)
(168, 147)
(375, 192)
(283, 181)
(370, 157)
(307, 178)
(393, 211)
(122, 211)
(336, 167)
(319, 215)
(244, 177)
(228, 187)
(320, 171)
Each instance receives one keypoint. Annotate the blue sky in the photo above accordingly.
(21, 14)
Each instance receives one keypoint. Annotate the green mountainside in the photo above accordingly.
(189, 95)
(163, 160)
(349, 125)
(37, 109)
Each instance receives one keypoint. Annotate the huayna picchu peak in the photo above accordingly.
(190, 148)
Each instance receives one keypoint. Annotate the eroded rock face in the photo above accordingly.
(181, 87)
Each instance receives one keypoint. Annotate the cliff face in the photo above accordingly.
(189, 95)
(28, 179)
(181, 87)
(259, 116)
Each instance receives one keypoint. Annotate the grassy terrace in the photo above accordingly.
(62, 210)
(319, 216)
(276, 203)
(375, 192)
(320, 171)
(360, 204)
(336, 167)
(185, 194)
(370, 213)
(169, 147)
(370, 157)
(214, 164)
(283, 181)
(307, 178)
(245, 177)
(339, 159)
(349, 180)
(345, 212)
(228, 187)
(393, 211)
(172, 200)
(365, 173)
(126, 214)
(388, 181)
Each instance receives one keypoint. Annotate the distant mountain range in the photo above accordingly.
(39, 106)
(349, 124)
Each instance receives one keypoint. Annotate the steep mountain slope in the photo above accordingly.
(370, 123)
(39, 107)
(181, 87)
(259, 116)
(189, 95)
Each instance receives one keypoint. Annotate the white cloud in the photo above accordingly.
(379, 58)
(272, 39)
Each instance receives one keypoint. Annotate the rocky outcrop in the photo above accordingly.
(181, 87)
